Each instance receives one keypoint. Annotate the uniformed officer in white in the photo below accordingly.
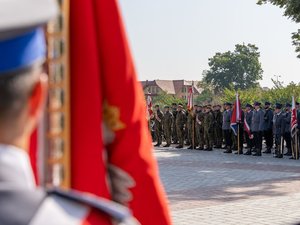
(23, 87)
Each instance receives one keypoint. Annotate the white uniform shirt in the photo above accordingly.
(15, 168)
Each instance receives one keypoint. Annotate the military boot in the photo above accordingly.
(268, 151)
(248, 152)
(257, 153)
(228, 150)
(288, 153)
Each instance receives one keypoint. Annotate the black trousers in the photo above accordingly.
(288, 140)
(268, 134)
(249, 141)
(241, 135)
(228, 138)
(258, 140)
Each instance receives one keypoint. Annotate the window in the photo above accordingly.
(183, 90)
(157, 90)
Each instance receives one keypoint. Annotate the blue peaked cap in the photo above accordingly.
(22, 51)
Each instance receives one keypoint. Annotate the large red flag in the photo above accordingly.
(236, 115)
(149, 106)
(190, 98)
(294, 118)
(104, 87)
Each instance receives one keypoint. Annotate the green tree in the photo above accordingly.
(239, 69)
(292, 11)
(207, 94)
(279, 93)
(164, 99)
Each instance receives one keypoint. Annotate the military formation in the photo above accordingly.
(208, 127)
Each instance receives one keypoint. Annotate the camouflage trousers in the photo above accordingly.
(158, 134)
(208, 138)
(200, 136)
(180, 134)
(174, 134)
(218, 136)
(167, 133)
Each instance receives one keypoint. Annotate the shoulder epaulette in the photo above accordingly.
(114, 210)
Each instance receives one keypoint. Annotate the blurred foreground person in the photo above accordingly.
(96, 167)
(23, 91)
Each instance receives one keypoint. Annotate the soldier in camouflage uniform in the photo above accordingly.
(208, 128)
(217, 126)
(174, 131)
(191, 128)
(186, 130)
(158, 118)
(180, 123)
(167, 125)
(200, 127)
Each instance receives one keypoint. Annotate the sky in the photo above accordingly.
(173, 39)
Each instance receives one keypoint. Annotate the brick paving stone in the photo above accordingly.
(217, 188)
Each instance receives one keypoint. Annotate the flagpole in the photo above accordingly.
(296, 145)
(193, 133)
(238, 138)
(193, 123)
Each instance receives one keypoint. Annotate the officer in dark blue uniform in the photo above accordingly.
(226, 127)
(257, 128)
(268, 127)
(248, 117)
(287, 129)
(278, 128)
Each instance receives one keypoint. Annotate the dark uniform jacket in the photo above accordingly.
(287, 125)
(257, 123)
(199, 118)
(180, 119)
(168, 120)
(218, 119)
(268, 119)
(226, 120)
(158, 119)
(208, 122)
(279, 124)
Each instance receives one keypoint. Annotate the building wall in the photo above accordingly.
(181, 89)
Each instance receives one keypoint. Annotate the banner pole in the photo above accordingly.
(296, 145)
(238, 137)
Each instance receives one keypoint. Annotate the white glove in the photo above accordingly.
(120, 182)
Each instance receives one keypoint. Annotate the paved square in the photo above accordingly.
(217, 188)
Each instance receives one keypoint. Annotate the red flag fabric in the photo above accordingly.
(236, 115)
(247, 128)
(149, 105)
(190, 98)
(33, 154)
(104, 87)
(294, 117)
